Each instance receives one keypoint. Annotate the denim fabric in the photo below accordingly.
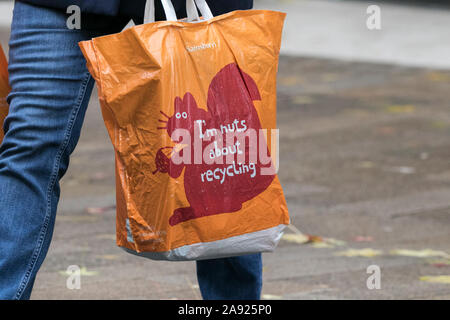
(237, 278)
(104, 7)
(50, 92)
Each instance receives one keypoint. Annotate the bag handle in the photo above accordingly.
(191, 9)
(204, 9)
(149, 13)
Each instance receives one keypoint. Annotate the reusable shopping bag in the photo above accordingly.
(4, 90)
(173, 93)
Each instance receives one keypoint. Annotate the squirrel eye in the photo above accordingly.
(178, 115)
(184, 114)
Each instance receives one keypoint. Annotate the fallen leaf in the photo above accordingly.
(386, 131)
(439, 124)
(406, 108)
(302, 100)
(319, 242)
(437, 76)
(366, 252)
(366, 164)
(321, 245)
(290, 81)
(419, 253)
(439, 263)
(363, 239)
(436, 279)
(296, 238)
(85, 272)
(327, 243)
(315, 238)
(99, 210)
(316, 241)
(109, 256)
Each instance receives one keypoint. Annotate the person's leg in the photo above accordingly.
(50, 92)
(239, 277)
(235, 278)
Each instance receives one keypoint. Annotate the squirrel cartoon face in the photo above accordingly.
(223, 184)
(185, 111)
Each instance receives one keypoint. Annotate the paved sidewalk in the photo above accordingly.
(364, 158)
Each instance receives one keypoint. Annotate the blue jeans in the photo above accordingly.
(50, 92)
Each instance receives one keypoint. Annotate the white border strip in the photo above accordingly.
(260, 241)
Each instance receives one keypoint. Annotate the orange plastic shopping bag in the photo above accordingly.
(190, 107)
(4, 90)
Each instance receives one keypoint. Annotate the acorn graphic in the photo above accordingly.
(162, 160)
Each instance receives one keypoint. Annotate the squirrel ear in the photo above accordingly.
(178, 103)
(189, 101)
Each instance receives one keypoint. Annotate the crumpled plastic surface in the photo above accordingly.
(158, 77)
(4, 90)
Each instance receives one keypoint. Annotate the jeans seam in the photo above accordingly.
(51, 185)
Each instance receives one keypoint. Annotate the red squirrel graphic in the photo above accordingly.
(215, 188)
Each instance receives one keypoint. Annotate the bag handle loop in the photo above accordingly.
(149, 13)
(191, 9)
(204, 9)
